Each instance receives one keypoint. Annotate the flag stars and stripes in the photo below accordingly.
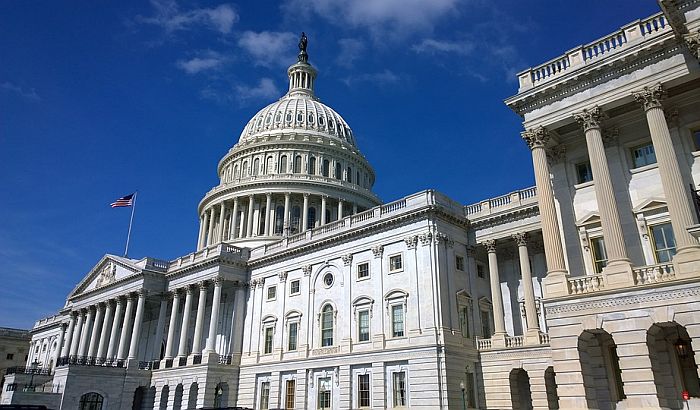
(123, 201)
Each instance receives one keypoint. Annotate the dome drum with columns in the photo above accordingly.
(295, 167)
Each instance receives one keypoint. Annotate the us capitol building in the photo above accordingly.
(306, 291)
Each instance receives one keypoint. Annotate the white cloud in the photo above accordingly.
(432, 46)
(269, 48)
(386, 77)
(265, 90)
(169, 16)
(350, 50)
(210, 60)
(28, 94)
(397, 17)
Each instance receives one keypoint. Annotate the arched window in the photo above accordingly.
(296, 216)
(256, 166)
(311, 219)
(349, 174)
(297, 164)
(268, 165)
(327, 326)
(312, 166)
(326, 168)
(283, 164)
(236, 173)
(91, 401)
(338, 171)
(245, 169)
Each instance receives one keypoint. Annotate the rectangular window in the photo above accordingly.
(363, 325)
(324, 393)
(395, 263)
(464, 321)
(643, 155)
(363, 270)
(397, 321)
(363, 390)
(269, 332)
(470, 391)
(399, 389)
(485, 324)
(271, 292)
(600, 257)
(289, 394)
(664, 242)
(10, 356)
(294, 287)
(583, 172)
(265, 395)
(459, 262)
(480, 272)
(293, 332)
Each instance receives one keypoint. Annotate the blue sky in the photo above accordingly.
(98, 99)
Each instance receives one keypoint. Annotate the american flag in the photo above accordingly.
(123, 201)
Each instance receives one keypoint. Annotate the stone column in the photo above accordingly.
(104, 335)
(82, 349)
(619, 268)
(59, 344)
(121, 351)
(532, 334)
(239, 304)
(233, 232)
(555, 284)
(323, 210)
(210, 235)
(199, 323)
(214, 320)
(251, 205)
(205, 229)
(173, 324)
(184, 330)
(96, 326)
(138, 321)
(285, 224)
(200, 238)
(340, 209)
(305, 215)
(222, 214)
(69, 336)
(76, 335)
(499, 321)
(354, 208)
(268, 221)
(688, 249)
(160, 327)
(112, 349)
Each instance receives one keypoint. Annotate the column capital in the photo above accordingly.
(141, 293)
(202, 285)
(189, 289)
(282, 276)
(590, 118)
(650, 96)
(490, 245)
(378, 251)
(235, 200)
(411, 241)
(306, 269)
(692, 40)
(218, 281)
(306, 194)
(536, 137)
(269, 194)
(347, 259)
(521, 238)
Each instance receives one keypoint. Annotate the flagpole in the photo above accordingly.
(128, 235)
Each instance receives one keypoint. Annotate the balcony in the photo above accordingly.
(510, 342)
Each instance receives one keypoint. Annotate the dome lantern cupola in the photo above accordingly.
(301, 75)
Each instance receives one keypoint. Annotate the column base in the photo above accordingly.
(556, 284)
(498, 340)
(532, 337)
(686, 263)
(618, 274)
(209, 357)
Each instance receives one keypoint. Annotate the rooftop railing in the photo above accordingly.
(498, 204)
(633, 33)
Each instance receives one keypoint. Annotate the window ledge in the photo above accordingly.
(583, 185)
(644, 168)
(363, 278)
(395, 271)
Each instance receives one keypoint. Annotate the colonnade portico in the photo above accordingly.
(268, 214)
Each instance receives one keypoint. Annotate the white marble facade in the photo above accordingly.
(305, 291)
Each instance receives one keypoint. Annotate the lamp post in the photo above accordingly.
(464, 402)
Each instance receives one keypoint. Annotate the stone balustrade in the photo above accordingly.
(515, 341)
(586, 284)
(211, 251)
(614, 43)
(653, 274)
(515, 199)
(511, 342)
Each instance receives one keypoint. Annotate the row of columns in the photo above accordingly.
(531, 321)
(671, 180)
(92, 331)
(208, 235)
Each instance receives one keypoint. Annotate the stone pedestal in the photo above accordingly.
(555, 285)
(618, 274)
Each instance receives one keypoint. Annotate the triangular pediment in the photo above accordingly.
(108, 270)
(589, 219)
(649, 204)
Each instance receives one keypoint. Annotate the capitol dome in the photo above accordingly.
(295, 167)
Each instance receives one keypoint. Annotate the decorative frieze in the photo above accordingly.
(615, 303)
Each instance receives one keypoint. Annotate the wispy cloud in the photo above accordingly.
(169, 16)
(264, 90)
(269, 48)
(26, 93)
(432, 46)
(207, 61)
(350, 50)
(381, 78)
